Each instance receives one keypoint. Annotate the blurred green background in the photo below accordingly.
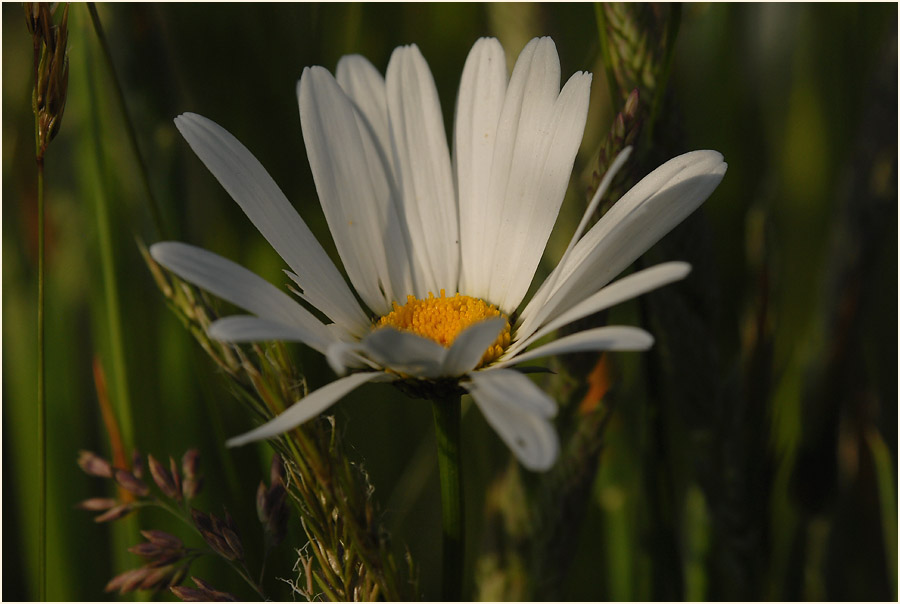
(770, 469)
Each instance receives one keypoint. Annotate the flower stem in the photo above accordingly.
(41, 400)
(446, 427)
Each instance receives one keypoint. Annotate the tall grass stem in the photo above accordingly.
(41, 396)
(159, 226)
(121, 399)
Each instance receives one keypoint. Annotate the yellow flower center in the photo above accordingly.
(442, 319)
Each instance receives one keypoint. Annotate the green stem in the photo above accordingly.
(615, 94)
(446, 427)
(884, 479)
(41, 399)
(155, 213)
(240, 567)
(105, 242)
(242, 570)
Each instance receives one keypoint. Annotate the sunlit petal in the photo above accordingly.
(422, 164)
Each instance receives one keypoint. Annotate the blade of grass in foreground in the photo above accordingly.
(51, 76)
(884, 475)
(155, 213)
(41, 402)
(118, 364)
(95, 179)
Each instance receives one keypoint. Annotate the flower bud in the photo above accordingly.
(51, 71)
(128, 581)
(631, 104)
(203, 593)
(32, 16)
(176, 477)
(163, 539)
(97, 504)
(120, 511)
(137, 464)
(161, 477)
(190, 594)
(618, 128)
(276, 472)
(190, 463)
(94, 465)
(276, 513)
(228, 530)
(261, 501)
(145, 550)
(131, 483)
(179, 575)
(158, 577)
(210, 529)
(193, 482)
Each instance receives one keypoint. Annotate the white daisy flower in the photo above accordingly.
(440, 251)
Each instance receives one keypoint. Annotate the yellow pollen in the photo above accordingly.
(442, 319)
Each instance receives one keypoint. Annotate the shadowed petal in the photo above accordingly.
(307, 408)
(549, 285)
(364, 85)
(617, 292)
(342, 356)
(652, 208)
(612, 337)
(239, 286)
(245, 328)
(356, 191)
(470, 345)
(248, 183)
(405, 352)
(520, 412)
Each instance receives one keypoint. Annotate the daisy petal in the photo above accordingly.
(619, 291)
(306, 408)
(611, 172)
(537, 137)
(405, 352)
(342, 356)
(527, 107)
(422, 162)
(245, 328)
(241, 287)
(479, 102)
(652, 208)
(364, 85)
(356, 191)
(470, 345)
(539, 191)
(613, 337)
(528, 325)
(520, 413)
(248, 183)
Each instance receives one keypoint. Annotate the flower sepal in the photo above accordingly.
(430, 389)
